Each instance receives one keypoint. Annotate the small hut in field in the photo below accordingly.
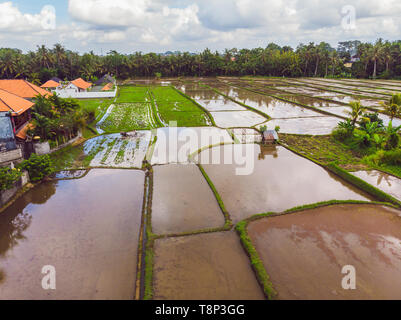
(269, 137)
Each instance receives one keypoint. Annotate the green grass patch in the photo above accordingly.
(325, 149)
(66, 157)
(172, 106)
(129, 94)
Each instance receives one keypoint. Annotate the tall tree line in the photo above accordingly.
(380, 59)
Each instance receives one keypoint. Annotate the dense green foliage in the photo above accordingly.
(38, 167)
(381, 59)
(8, 177)
(58, 119)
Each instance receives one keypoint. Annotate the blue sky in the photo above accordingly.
(193, 25)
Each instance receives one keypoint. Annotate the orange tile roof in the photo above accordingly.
(50, 84)
(81, 83)
(107, 87)
(13, 103)
(23, 88)
(22, 133)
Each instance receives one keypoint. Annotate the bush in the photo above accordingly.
(392, 157)
(341, 134)
(38, 167)
(8, 177)
(393, 141)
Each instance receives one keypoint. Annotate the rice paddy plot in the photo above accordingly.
(382, 181)
(114, 151)
(310, 126)
(245, 135)
(129, 94)
(175, 145)
(205, 267)
(87, 228)
(183, 201)
(128, 117)
(325, 239)
(174, 107)
(253, 179)
(237, 119)
(221, 105)
(206, 94)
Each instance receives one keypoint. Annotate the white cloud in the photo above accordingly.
(159, 25)
(13, 21)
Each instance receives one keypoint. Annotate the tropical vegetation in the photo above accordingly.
(380, 59)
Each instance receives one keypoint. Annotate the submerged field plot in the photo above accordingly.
(186, 205)
(314, 245)
(206, 267)
(278, 181)
(87, 229)
(115, 151)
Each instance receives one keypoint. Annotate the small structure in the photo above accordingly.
(81, 85)
(105, 80)
(50, 85)
(269, 137)
(108, 87)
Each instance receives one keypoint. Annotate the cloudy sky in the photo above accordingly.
(192, 25)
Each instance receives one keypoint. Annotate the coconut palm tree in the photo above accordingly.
(375, 55)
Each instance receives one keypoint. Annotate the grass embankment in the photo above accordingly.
(325, 149)
(174, 107)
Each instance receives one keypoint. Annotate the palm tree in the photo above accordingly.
(356, 112)
(375, 55)
(393, 107)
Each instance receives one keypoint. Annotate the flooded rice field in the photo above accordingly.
(220, 105)
(315, 245)
(205, 267)
(382, 181)
(183, 201)
(88, 229)
(174, 145)
(313, 126)
(237, 119)
(277, 180)
(113, 150)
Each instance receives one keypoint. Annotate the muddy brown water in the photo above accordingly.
(88, 229)
(382, 181)
(271, 179)
(304, 253)
(183, 201)
(205, 267)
